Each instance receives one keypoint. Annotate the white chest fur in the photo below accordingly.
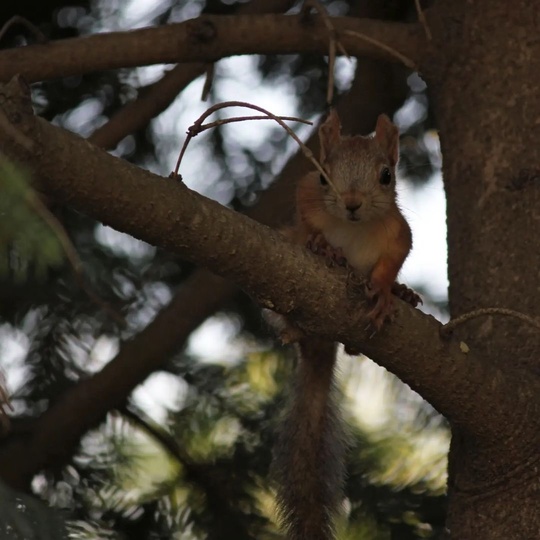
(361, 243)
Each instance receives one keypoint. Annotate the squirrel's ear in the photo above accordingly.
(329, 134)
(387, 135)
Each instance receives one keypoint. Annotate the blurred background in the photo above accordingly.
(181, 448)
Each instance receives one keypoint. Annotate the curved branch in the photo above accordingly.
(206, 39)
(279, 275)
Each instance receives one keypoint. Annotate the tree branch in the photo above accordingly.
(83, 406)
(206, 39)
(198, 298)
(151, 101)
(279, 275)
(155, 98)
(226, 517)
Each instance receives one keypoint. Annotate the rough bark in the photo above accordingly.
(484, 74)
(206, 39)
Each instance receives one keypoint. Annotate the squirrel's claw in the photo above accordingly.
(317, 244)
(383, 308)
(406, 294)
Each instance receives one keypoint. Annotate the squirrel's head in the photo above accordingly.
(361, 170)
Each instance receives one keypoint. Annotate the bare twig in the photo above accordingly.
(321, 9)
(161, 436)
(334, 43)
(198, 127)
(449, 327)
(404, 59)
(331, 67)
(5, 404)
(422, 19)
(32, 28)
(208, 81)
(223, 121)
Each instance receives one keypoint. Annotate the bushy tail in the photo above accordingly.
(309, 455)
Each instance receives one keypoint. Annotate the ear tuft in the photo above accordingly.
(387, 135)
(329, 134)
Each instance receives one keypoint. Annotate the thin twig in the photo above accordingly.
(32, 28)
(334, 43)
(321, 9)
(390, 50)
(223, 121)
(5, 403)
(449, 327)
(197, 127)
(422, 19)
(331, 66)
(208, 81)
(168, 442)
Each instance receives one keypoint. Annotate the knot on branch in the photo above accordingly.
(202, 30)
(524, 178)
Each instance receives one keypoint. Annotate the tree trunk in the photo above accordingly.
(484, 74)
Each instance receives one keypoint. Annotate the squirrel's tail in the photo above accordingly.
(309, 455)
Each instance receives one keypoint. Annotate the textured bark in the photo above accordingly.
(206, 39)
(484, 75)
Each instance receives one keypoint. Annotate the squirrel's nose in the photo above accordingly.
(353, 207)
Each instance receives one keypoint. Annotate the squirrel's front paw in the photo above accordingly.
(317, 244)
(383, 308)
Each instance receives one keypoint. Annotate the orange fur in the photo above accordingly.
(376, 239)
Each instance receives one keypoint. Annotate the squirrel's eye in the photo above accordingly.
(322, 180)
(386, 176)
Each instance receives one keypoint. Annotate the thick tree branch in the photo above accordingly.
(280, 275)
(82, 407)
(206, 39)
(199, 297)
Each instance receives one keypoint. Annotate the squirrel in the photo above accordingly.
(352, 221)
